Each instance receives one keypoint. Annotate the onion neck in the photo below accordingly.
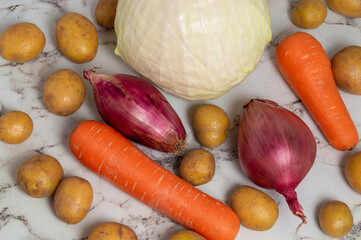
(296, 208)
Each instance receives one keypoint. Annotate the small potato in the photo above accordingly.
(346, 69)
(39, 176)
(255, 209)
(21, 42)
(187, 235)
(15, 127)
(76, 37)
(309, 14)
(105, 13)
(347, 8)
(73, 199)
(335, 219)
(64, 92)
(211, 124)
(112, 231)
(197, 167)
(353, 171)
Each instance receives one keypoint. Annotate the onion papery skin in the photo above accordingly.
(276, 149)
(138, 110)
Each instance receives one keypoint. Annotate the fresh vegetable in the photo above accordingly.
(335, 219)
(193, 49)
(309, 14)
(138, 110)
(307, 68)
(105, 13)
(109, 154)
(346, 69)
(112, 231)
(40, 175)
(255, 209)
(73, 199)
(210, 124)
(353, 171)
(347, 8)
(21, 42)
(76, 37)
(187, 235)
(197, 167)
(15, 127)
(276, 149)
(64, 92)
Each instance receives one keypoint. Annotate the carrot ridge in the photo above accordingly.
(306, 67)
(109, 154)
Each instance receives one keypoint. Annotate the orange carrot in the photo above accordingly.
(109, 154)
(306, 67)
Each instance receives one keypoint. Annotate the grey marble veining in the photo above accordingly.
(21, 84)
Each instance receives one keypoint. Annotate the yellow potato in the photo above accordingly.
(335, 219)
(15, 127)
(210, 124)
(197, 167)
(255, 209)
(348, 8)
(187, 235)
(76, 37)
(40, 175)
(73, 199)
(105, 13)
(309, 14)
(64, 92)
(112, 231)
(21, 42)
(353, 171)
(346, 69)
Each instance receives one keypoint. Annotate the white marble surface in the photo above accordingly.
(23, 217)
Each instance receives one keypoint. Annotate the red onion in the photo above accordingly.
(276, 149)
(138, 110)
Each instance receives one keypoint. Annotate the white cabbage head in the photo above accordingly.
(193, 49)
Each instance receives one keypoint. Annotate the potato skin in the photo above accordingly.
(211, 124)
(64, 92)
(112, 231)
(346, 69)
(353, 171)
(197, 167)
(73, 199)
(76, 37)
(40, 175)
(335, 219)
(187, 235)
(15, 127)
(255, 209)
(105, 12)
(21, 42)
(347, 8)
(309, 14)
